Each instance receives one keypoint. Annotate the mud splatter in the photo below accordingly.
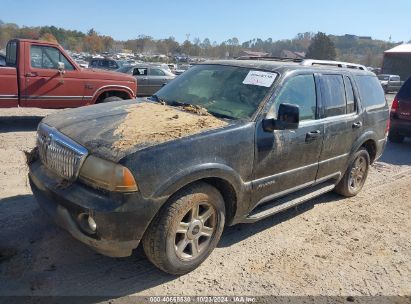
(150, 123)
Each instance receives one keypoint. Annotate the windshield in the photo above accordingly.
(383, 77)
(226, 91)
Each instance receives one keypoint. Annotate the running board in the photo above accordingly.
(289, 201)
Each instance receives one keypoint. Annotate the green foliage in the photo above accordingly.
(321, 47)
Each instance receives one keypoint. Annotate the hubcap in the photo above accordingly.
(195, 231)
(357, 173)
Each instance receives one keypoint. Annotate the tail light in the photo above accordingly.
(387, 127)
(395, 105)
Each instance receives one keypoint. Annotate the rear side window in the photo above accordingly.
(333, 93)
(349, 94)
(395, 78)
(11, 54)
(157, 72)
(405, 91)
(371, 92)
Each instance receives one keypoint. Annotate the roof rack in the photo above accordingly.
(269, 58)
(307, 62)
(340, 64)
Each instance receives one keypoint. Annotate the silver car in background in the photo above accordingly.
(150, 78)
(390, 82)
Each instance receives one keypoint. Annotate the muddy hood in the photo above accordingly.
(113, 130)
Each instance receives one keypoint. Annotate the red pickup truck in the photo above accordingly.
(41, 74)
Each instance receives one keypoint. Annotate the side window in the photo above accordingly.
(371, 92)
(333, 94)
(140, 72)
(11, 54)
(156, 72)
(112, 65)
(349, 94)
(299, 90)
(46, 57)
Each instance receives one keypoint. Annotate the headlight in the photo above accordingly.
(100, 173)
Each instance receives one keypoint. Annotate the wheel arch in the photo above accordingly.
(109, 91)
(222, 177)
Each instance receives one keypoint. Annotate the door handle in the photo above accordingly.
(32, 74)
(313, 135)
(357, 125)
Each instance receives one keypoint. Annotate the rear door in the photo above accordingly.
(395, 83)
(342, 124)
(141, 73)
(45, 86)
(156, 79)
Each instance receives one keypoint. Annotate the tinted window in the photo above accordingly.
(140, 72)
(371, 92)
(156, 72)
(112, 65)
(349, 94)
(11, 54)
(46, 57)
(395, 78)
(405, 91)
(333, 94)
(300, 91)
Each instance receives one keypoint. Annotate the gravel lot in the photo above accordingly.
(328, 246)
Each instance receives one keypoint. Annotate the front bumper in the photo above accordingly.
(121, 218)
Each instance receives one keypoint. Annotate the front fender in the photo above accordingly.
(198, 172)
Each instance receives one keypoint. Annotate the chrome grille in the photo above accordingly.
(59, 153)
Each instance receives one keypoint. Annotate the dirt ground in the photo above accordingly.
(328, 246)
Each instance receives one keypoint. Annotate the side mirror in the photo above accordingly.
(60, 66)
(288, 118)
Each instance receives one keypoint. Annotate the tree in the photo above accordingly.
(48, 37)
(321, 47)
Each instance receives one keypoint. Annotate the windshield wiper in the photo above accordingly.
(219, 115)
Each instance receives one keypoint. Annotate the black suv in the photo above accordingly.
(401, 114)
(106, 64)
(226, 142)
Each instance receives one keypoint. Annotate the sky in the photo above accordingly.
(217, 20)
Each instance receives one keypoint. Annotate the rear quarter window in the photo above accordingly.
(371, 92)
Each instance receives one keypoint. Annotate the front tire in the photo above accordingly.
(186, 230)
(111, 99)
(356, 174)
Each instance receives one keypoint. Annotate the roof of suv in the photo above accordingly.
(278, 64)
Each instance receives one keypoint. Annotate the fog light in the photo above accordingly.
(92, 224)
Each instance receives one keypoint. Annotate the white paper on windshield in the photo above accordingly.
(259, 78)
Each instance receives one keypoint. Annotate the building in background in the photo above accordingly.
(397, 61)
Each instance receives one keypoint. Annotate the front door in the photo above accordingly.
(46, 86)
(141, 73)
(287, 160)
(157, 78)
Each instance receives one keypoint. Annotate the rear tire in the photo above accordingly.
(186, 230)
(112, 98)
(356, 174)
(395, 137)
